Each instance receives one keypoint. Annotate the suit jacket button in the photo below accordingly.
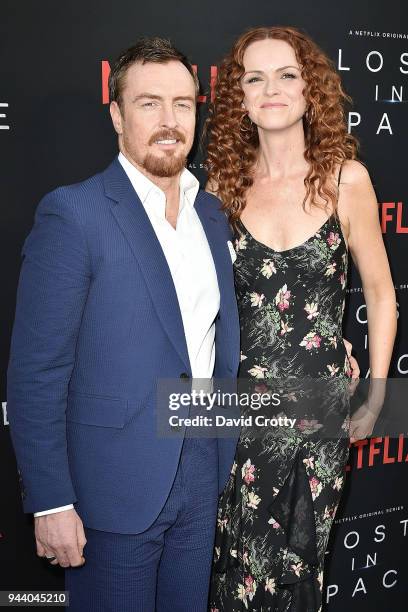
(184, 375)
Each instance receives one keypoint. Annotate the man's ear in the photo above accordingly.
(116, 116)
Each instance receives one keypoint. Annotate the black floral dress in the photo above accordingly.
(278, 506)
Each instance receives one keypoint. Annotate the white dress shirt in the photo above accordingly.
(191, 266)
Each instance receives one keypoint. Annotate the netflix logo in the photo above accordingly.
(105, 72)
(379, 451)
(392, 218)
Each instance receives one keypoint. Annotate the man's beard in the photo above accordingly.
(166, 165)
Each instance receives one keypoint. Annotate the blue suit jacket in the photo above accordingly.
(97, 324)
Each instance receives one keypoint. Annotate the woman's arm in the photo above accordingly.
(358, 210)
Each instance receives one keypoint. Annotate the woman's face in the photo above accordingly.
(272, 85)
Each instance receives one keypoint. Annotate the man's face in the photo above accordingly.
(156, 121)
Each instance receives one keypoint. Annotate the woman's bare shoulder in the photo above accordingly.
(353, 172)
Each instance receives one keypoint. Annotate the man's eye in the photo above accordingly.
(184, 105)
(149, 104)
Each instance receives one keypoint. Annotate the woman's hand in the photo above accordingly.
(363, 420)
(355, 369)
(362, 423)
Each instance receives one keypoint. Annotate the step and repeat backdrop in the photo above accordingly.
(55, 129)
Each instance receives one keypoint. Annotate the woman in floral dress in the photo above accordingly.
(283, 164)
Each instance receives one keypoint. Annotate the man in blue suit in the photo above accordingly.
(126, 279)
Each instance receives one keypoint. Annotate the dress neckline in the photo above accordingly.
(298, 246)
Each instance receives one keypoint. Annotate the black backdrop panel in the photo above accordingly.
(55, 129)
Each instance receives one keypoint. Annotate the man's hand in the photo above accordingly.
(61, 535)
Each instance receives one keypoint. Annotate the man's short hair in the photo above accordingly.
(156, 50)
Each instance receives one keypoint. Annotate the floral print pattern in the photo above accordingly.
(276, 512)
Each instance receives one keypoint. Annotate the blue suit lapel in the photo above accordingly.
(219, 250)
(227, 332)
(138, 231)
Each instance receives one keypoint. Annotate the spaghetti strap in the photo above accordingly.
(338, 179)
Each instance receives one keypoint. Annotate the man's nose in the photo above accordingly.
(168, 117)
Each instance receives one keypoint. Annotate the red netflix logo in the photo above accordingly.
(392, 212)
(380, 451)
(105, 72)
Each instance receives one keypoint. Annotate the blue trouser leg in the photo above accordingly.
(185, 566)
(167, 567)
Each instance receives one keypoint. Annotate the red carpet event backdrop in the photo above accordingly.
(55, 129)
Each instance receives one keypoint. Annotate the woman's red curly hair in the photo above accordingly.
(233, 138)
